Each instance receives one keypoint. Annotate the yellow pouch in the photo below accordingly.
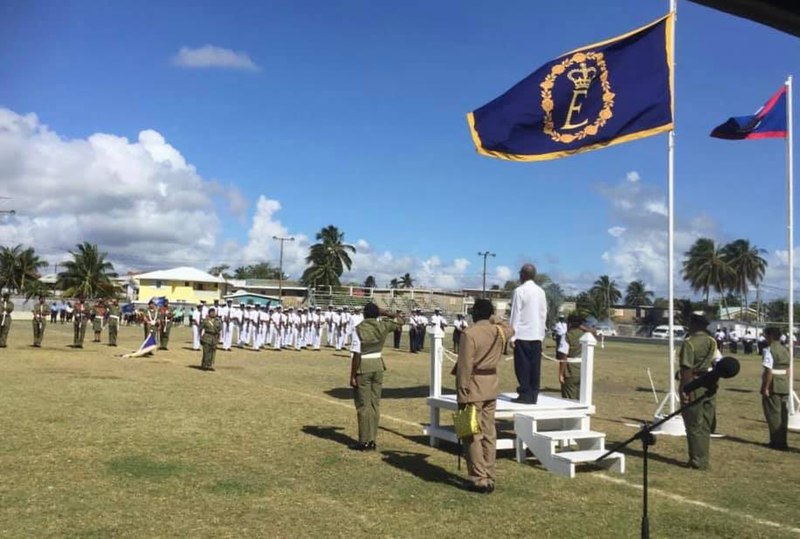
(465, 422)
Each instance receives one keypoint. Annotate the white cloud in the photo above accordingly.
(210, 56)
(139, 200)
(502, 274)
(261, 245)
(639, 213)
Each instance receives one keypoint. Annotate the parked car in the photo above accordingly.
(606, 331)
(662, 332)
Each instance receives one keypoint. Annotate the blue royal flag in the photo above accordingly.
(768, 122)
(596, 96)
(147, 346)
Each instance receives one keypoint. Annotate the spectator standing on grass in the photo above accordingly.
(476, 383)
(53, 312)
(775, 389)
(366, 373)
(560, 330)
(529, 319)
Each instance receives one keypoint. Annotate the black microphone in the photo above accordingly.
(727, 367)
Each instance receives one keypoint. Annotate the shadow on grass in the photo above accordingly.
(417, 465)
(739, 440)
(422, 439)
(415, 392)
(739, 390)
(633, 452)
(329, 433)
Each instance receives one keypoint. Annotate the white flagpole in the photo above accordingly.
(675, 425)
(794, 419)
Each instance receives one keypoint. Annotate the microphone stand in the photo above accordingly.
(645, 434)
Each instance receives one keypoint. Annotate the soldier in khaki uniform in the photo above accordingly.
(569, 348)
(40, 311)
(114, 313)
(80, 317)
(366, 373)
(6, 308)
(775, 388)
(479, 354)
(150, 319)
(697, 356)
(164, 325)
(98, 317)
(210, 328)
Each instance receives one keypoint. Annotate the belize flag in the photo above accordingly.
(147, 347)
(768, 122)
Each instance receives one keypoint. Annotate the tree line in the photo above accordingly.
(87, 275)
(730, 270)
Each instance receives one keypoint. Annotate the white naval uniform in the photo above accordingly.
(438, 322)
(327, 316)
(227, 326)
(355, 342)
(196, 328)
(316, 330)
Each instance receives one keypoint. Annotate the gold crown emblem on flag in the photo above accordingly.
(582, 77)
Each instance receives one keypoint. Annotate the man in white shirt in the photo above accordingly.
(528, 318)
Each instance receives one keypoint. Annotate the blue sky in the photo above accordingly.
(352, 113)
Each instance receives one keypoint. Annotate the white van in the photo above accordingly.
(662, 332)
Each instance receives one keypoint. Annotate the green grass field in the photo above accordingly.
(98, 446)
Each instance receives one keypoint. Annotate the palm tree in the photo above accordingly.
(747, 265)
(394, 283)
(88, 274)
(28, 265)
(406, 281)
(19, 266)
(369, 282)
(637, 294)
(591, 303)
(328, 258)
(607, 290)
(706, 269)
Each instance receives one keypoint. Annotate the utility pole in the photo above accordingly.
(485, 254)
(280, 266)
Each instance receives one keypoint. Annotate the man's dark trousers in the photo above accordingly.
(527, 367)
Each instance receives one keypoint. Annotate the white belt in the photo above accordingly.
(373, 355)
(113, 316)
(778, 371)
